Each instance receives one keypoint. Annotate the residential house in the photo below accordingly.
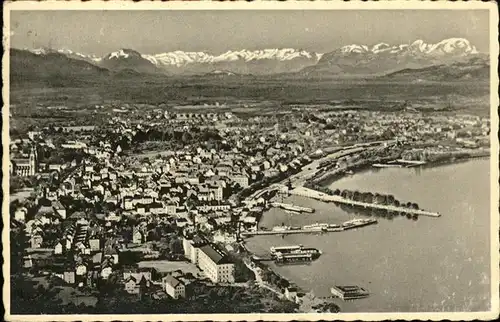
(69, 276)
(130, 284)
(27, 261)
(97, 259)
(137, 236)
(106, 268)
(59, 209)
(58, 249)
(136, 284)
(174, 287)
(36, 240)
(242, 180)
(95, 244)
(291, 294)
(92, 278)
(110, 252)
(20, 214)
(81, 269)
(82, 247)
(138, 274)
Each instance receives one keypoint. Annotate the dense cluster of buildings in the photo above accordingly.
(98, 204)
(466, 131)
(90, 213)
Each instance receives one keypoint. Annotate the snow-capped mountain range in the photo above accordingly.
(266, 61)
(352, 58)
(181, 58)
(449, 46)
(383, 58)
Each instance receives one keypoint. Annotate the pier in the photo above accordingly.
(308, 231)
(399, 163)
(287, 232)
(310, 193)
(292, 207)
(286, 258)
(290, 258)
(411, 162)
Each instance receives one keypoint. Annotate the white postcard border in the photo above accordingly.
(264, 5)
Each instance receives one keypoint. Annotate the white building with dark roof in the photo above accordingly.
(174, 287)
(216, 264)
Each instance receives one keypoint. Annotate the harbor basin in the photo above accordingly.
(429, 264)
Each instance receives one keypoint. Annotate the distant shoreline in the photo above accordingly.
(330, 178)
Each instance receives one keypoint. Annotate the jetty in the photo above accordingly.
(284, 258)
(288, 232)
(291, 207)
(411, 162)
(399, 163)
(310, 193)
(387, 165)
(345, 226)
(291, 258)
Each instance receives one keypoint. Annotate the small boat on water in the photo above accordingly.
(349, 292)
(281, 228)
(294, 251)
(276, 249)
(386, 165)
(287, 259)
(358, 223)
(316, 226)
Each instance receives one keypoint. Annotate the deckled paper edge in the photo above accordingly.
(263, 5)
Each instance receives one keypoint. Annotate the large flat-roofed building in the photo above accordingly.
(216, 264)
(212, 260)
(192, 246)
(241, 179)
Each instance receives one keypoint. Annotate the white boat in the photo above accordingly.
(358, 222)
(316, 226)
(291, 248)
(349, 292)
(281, 228)
(380, 165)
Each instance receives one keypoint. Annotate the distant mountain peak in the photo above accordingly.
(360, 59)
(448, 46)
(354, 48)
(123, 53)
(356, 59)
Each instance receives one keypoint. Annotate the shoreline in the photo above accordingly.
(331, 178)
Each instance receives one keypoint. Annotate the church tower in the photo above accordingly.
(33, 161)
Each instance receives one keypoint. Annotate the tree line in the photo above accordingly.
(367, 197)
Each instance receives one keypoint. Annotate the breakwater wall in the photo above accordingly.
(310, 193)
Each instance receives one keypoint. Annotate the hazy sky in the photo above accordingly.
(100, 32)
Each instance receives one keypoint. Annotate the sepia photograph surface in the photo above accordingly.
(252, 161)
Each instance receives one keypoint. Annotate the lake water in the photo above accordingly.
(427, 265)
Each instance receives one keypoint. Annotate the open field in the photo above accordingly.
(189, 90)
(29, 102)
